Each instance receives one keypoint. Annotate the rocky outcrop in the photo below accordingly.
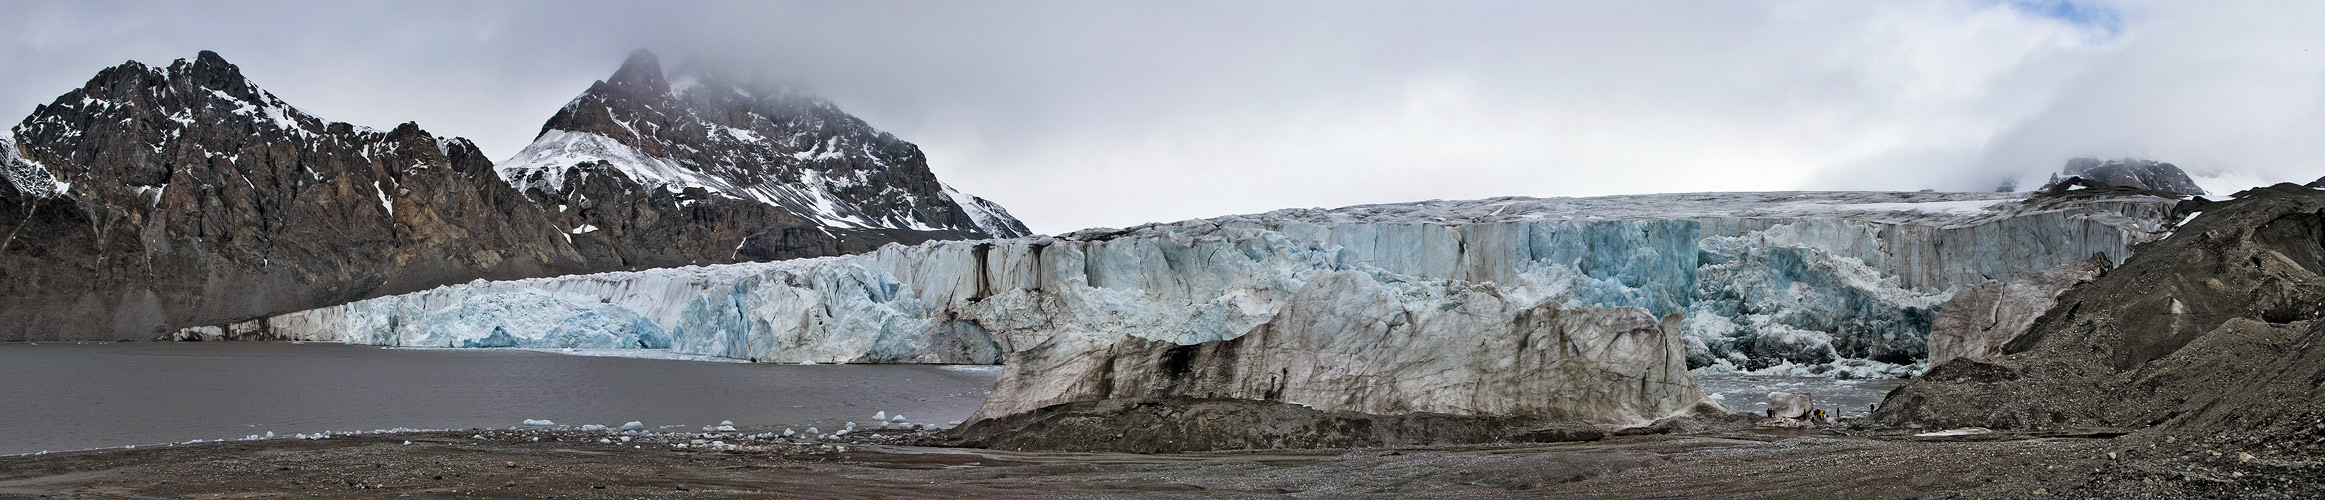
(702, 168)
(154, 200)
(1979, 320)
(2214, 331)
(2138, 173)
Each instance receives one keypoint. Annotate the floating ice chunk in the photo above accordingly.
(807, 362)
(788, 433)
(882, 415)
(592, 427)
(811, 430)
(634, 426)
(270, 434)
(898, 418)
(726, 422)
(530, 421)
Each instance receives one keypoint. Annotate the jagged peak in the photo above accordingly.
(207, 62)
(743, 136)
(210, 71)
(641, 72)
(159, 106)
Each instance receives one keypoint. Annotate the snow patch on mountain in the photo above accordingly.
(2218, 184)
(547, 161)
(544, 163)
(988, 215)
(29, 177)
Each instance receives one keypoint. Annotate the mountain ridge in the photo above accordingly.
(154, 198)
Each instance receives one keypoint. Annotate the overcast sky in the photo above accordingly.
(1077, 114)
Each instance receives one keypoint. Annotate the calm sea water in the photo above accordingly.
(64, 396)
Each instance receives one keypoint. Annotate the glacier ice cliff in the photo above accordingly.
(1585, 308)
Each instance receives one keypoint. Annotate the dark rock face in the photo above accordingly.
(1182, 425)
(2131, 173)
(712, 168)
(2213, 331)
(186, 194)
(153, 199)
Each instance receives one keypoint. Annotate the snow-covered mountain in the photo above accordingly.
(706, 154)
(157, 198)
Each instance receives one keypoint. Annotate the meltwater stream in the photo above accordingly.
(65, 396)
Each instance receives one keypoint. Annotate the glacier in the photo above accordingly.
(1441, 306)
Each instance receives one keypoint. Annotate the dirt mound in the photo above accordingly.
(1179, 425)
(2212, 331)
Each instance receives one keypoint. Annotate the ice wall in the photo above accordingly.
(1763, 281)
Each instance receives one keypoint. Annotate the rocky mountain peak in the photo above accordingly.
(131, 123)
(745, 140)
(159, 197)
(641, 73)
(210, 71)
(2138, 173)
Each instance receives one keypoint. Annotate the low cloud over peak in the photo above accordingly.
(1075, 114)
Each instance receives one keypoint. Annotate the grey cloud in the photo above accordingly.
(1079, 114)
